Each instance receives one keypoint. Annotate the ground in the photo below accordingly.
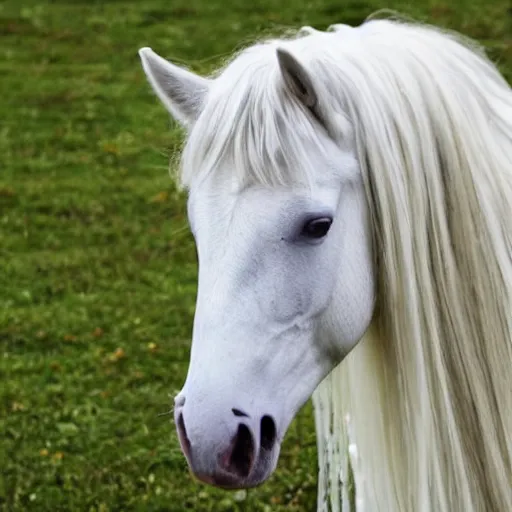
(98, 269)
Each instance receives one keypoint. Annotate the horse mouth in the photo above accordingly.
(263, 466)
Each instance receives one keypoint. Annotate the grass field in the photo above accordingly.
(98, 270)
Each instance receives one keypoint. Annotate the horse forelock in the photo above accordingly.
(252, 126)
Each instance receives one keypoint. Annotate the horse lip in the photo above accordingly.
(228, 481)
(261, 470)
(222, 480)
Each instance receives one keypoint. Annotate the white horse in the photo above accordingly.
(350, 194)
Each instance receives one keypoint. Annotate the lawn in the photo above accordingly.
(98, 269)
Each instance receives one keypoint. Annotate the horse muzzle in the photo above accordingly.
(237, 451)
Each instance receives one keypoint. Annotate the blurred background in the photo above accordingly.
(97, 267)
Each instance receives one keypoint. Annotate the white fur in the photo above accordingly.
(404, 133)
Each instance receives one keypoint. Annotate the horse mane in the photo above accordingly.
(429, 389)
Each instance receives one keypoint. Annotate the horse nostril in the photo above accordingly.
(183, 434)
(268, 433)
(241, 458)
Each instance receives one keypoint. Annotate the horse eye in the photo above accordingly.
(316, 228)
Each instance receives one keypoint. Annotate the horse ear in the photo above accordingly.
(181, 91)
(296, 78)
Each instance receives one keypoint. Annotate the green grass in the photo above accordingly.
(98, 270)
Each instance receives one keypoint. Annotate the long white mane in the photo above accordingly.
(429, 389)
